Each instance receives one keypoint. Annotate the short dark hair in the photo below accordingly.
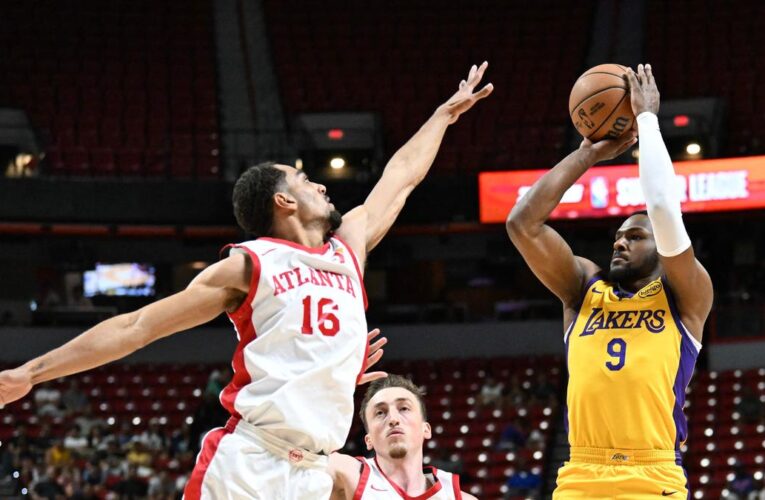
(386, 383)
(638, 212)
(253, 198)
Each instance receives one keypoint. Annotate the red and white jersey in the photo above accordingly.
(375, 485)
(302, 342)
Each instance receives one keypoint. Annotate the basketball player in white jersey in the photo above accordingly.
(296, 298)
(394, 416)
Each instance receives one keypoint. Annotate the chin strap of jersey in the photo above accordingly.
(657, 178)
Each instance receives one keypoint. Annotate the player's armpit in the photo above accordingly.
(346, 473)
(692, 289)
(552, 260)
(353, 232)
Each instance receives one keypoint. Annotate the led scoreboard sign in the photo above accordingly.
(703, 186)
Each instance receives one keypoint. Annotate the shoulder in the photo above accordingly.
(233, 272)
(353, 231)
(345, 470)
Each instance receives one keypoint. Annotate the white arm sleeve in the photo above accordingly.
(657, 178)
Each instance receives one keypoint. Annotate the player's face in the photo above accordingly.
(634, 255)
(396, 425)
(311, 197)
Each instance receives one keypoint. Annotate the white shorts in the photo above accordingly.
(240, 462)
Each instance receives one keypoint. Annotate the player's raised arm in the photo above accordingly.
(364, 226)
(689, 280)
(543, 249)
(221, 287)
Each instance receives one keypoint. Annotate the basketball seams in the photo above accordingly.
(571, 113)
(618, 104)
(621, 77)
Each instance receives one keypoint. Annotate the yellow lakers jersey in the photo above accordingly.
(629, 361)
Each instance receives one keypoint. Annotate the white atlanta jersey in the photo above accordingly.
(375, 485)
(302, 342)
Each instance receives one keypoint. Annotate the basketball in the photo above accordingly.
(599, 103)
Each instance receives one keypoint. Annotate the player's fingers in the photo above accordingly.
(377, 345)
(632, 80)
(374, 358)
(462, 84)
(484, 92)
(472, 72)
(649, 74)
(641, 73)
(371, 377)
(626, 145)
(372, 334)
(479, 74)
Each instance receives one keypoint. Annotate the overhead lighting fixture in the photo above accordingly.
(693, 148)
(337, 163)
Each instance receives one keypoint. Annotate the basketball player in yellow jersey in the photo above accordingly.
(632, 333)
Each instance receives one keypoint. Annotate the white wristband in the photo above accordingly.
(657, 178)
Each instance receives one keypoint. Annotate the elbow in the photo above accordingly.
(514, 224)
(136, 337)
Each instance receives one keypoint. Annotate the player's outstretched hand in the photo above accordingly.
(465, 98)
(14, 384)
(373, 356)
(644, 95)
(608, 149)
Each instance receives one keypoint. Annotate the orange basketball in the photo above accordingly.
(599, 103)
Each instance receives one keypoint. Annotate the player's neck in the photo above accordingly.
(312, 236)
(635, 285)
(406, 473)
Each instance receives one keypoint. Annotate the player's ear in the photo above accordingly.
(284, 200)
(426, 430)
(368, 442)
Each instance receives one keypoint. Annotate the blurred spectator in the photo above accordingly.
(741, 485)
(516, 395)
(448, 462)
(210, 414)
(161, 487)
(97, 440)
(57, 455)
(181, 440)
(513, 436)
(125, 435)
(536, 440)
(48, 400)
(543, 388)
(152, 437)
(74, 399)
(131, 488)
(75, 441)
(750, 406)
(523, 481)
(87, 420)
(138, 455)
(91, 473)
(491, 392)
(46, 487)
(217, 381)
